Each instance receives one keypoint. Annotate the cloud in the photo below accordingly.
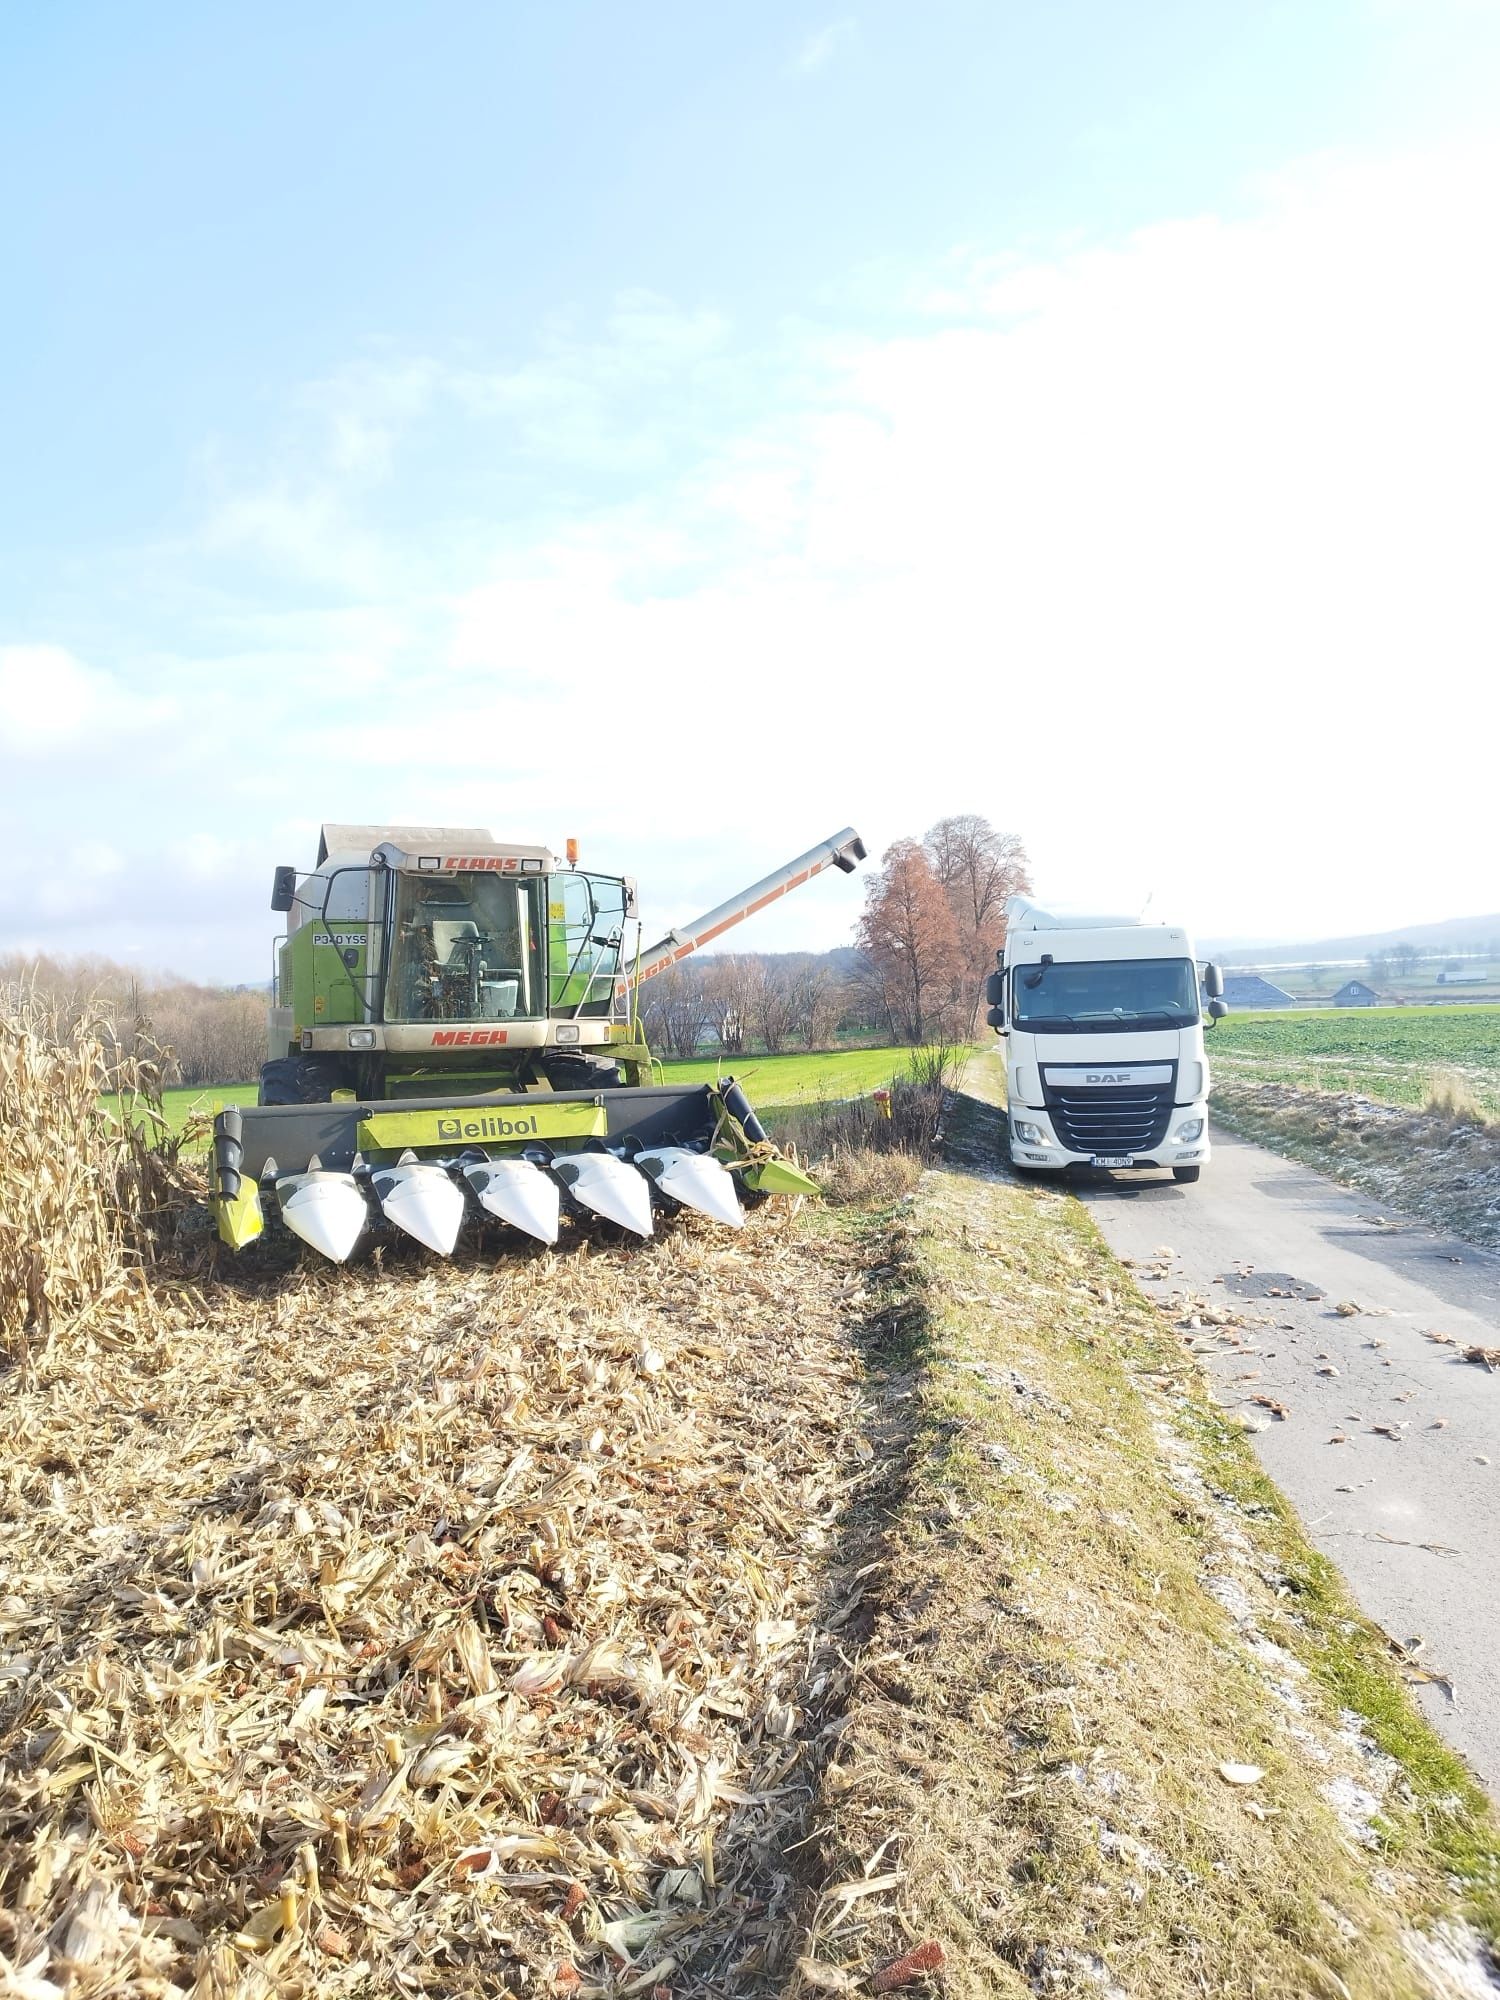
(51, 702)
(817, 50)
(1172, 551)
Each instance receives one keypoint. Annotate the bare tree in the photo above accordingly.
(675, 1009)
(816, 998)
(215, 1034)
(773, 1007)
(724, 979)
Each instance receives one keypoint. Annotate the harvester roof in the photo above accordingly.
(446, 840)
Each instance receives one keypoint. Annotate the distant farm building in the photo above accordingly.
(1462, 978)
(1248, 993)
(1355, 993)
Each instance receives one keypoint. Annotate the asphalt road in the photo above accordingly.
(1414, 1524)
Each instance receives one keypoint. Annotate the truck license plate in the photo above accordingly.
(1113, 1160)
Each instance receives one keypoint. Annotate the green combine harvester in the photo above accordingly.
(455, 1039)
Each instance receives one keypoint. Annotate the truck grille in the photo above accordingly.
(1132, 1119)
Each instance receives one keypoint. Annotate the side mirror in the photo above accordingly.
(996, 1019)
(283, 890)
(1217, 1009)
(1213, 982)
(994, 990)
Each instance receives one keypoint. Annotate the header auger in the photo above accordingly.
(454, 1038)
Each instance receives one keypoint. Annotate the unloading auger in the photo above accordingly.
(455, 1038)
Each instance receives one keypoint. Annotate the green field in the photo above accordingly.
(1390, 1053)
(798, 1079)
(770, 1081)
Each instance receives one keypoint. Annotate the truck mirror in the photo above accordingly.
(1217, 1008)
(283, 890)
(1213, 982)
(996, 1019)
(994, 989)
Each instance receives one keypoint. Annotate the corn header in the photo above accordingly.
(455, 1037)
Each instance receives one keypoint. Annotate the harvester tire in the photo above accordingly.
(581, 1072)
(302, 1079)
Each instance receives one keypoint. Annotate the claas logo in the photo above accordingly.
(497, 864)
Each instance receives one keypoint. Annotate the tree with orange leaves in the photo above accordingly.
(914, 960)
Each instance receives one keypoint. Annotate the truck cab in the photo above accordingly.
(1104, 1052)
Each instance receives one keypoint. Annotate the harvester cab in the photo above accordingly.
(455, 1036)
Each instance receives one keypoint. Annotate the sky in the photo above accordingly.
(696, 429)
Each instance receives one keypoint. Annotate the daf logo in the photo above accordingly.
(1107, 1076)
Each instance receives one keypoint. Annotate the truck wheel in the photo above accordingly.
(303, 1080)
(1186, 1173)
(581, 1072)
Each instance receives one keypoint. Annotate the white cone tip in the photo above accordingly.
(325, 1210)
(421, 1199)
(697, 1181)
(520, 1194)
(611, 1188)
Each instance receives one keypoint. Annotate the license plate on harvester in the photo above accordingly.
(1113, 1160)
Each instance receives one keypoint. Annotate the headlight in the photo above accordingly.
(1029, 1135)
(361, 1038)
(1192, 1130)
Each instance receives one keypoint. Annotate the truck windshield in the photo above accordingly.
(1102, 996)
(466, 948)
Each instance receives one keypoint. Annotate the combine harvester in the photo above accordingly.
(455, 1037)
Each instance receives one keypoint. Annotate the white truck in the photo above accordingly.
(1103, 1024)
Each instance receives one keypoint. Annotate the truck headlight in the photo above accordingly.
(1188, 1132)
(1029, 1135)
(361, 1038)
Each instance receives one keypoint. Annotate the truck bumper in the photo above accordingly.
(1035, 1145)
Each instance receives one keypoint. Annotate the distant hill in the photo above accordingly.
(1457, 935)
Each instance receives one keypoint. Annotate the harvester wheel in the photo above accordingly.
(302, 1079)
(581, 1072)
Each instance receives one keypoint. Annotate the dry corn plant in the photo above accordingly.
(81, 1183)
(1450, 1094)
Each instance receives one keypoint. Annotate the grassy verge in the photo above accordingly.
(1091, 1602)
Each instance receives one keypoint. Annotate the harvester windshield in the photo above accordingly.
(482, 946)
(466, 948)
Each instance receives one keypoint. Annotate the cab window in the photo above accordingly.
(465, 948)
(587, 915)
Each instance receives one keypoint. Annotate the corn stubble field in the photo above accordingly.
(813, 1609)
(427, 1628)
